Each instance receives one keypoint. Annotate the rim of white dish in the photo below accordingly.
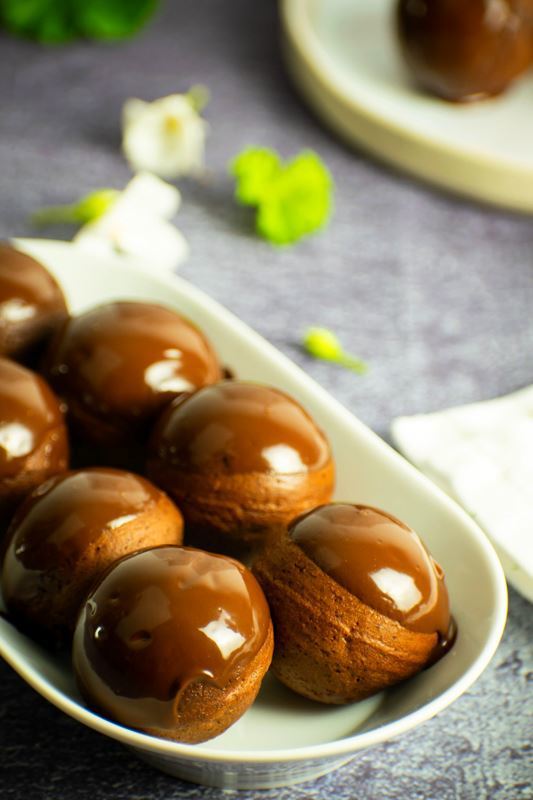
(338, 747)
(302, 38)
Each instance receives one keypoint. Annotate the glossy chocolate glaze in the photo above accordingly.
(31, 303)
(157, 622)
(236, 427)
(379, 560)
(122, 362)
(60, 519)
(466, 50)
(30, 416)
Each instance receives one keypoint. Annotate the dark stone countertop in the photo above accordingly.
(436, 293)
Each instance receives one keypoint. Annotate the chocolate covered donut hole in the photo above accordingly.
(464, 51)
(116, 367)
(173, 642)
(241, 460)
(32, 305)
(357, 603)
(33, 435)
(67, 532)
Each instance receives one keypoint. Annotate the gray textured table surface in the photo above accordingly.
(436, 294)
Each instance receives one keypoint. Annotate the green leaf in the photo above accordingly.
(49, 21)
(113, 19)
(56, 21)
(292, 199)
(85, 210)
(254, 169)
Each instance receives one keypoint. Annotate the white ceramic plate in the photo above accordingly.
(283, 739)
(344, 57)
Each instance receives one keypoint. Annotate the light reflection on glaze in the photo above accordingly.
(241, 427)
(222, 634)
(16, 440)
(29, 413)
(401, 588)
(17, 310)
(161, 377)
(379, 560)
(160, 620)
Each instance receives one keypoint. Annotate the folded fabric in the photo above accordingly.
(482, 455)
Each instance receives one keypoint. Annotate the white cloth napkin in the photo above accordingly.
(482, 455)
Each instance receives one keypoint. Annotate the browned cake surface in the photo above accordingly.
(50, 458)
(206, 711)
(330, 646)
(45, 585)
(239, 511)
(34, 443)
(173, 641)
(242, 460)
(32, 304)
(117, 365)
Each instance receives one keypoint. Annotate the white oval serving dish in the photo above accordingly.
(284, 739)
(344, 58)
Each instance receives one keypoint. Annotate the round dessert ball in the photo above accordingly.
(117, 365)
(174, 642)
(464, 51)
(32, 304)
(241, 460)
(357, 603)
(33, 436)
(67, 532)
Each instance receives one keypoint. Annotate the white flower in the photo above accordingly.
(166, 137)
(137, 224)
(156, 196)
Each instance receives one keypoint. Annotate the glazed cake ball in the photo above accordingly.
(174, 642)
(241, 460)
(464, 51)
(32, 305)
(117, 365)
(67, 532)
(33, 436)
(357, 603)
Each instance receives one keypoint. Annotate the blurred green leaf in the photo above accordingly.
(293, 199)
(57, 21)
(87, 209)
(113, 19)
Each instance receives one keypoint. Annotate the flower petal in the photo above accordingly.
(166, 137)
